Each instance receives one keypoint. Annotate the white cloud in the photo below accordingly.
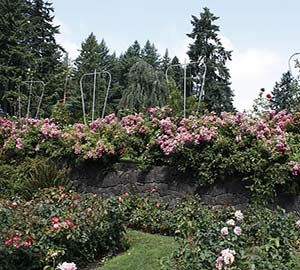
(65, 39)
(252, 69)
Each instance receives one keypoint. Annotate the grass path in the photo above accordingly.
(145, 252)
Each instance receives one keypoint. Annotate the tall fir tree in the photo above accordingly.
(14, 55)
(176, 72)
(93, 56)
(165, 61)
(127, 60)
(206, 44)
(90, 57)
(45, 54)
(286, 94)
(150, 55)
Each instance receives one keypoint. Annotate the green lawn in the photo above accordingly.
(145, 252)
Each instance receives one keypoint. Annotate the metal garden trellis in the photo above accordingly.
(184, 66)
(95, 73)
(289, 62)
(31, 82)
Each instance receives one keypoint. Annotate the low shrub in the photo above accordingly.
(56, 226)
(148, 214)
(258, 239)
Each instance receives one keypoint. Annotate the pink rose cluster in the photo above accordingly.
(225, 259)
(189, 131)
(17, 241)
(65, 224)
(294, 167)
(97, 152)
(109, 119)
(50, 130)
(133, 124)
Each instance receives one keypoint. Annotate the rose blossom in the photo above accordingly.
(55, 226)
(239, 215)
(237, 230)
(298, 224)
(54, 220)
(14, 204)
(228, 256)
(230, 222)
(26, 244)
(67, 266)
(224, 231)
(219, 263)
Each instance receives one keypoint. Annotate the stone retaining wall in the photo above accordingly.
(169, 184)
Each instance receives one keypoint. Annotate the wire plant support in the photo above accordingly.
(200, 63)
(30, 83)
(289, 62)
(94, 74)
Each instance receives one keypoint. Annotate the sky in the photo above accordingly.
(262, 34)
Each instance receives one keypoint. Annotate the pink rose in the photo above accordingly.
(14, 204)
(54, 220)
(55, 226)
(67, 266)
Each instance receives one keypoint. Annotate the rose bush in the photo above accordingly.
(226, 240)
(58, 225)
(261, 150)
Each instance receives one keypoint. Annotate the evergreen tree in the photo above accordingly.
(13, 52)
(45, 54)
(127, 60)
(93, 56)
(147, 88)
(166, 61)
(90, 57)
(206, 44)
(286, 94)
(149, 54)
(176, 72)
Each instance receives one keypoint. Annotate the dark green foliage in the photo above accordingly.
(88, 228)
(176, 73)
(286, 94)
(268, 239)
(147, 88)
(29, 51)
(150, 55)
(207, 45)
(127, 60)
(45, 63)
(93, 57)
(165, 61)
(14, 54)
(26, 178)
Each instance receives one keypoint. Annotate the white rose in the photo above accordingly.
(230, 222)
(228, 258)
(239, 215)
(237, 230)
(224, 231)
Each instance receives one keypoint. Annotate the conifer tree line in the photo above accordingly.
(29, 51)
